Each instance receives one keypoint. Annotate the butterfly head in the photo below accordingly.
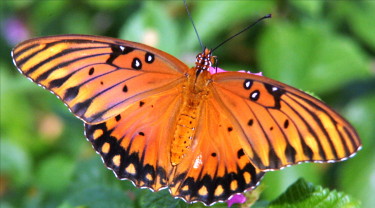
(204, 60)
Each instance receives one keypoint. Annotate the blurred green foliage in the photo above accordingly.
(303, 194)
(325, 47)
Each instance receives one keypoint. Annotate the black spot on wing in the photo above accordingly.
(80, 109)
(58, 82)
(307, 150)
(149, 58)
(290, 154)
(71, 93)
(256, 160)
(118, 117)
(250, 122)
(254, 96)
(118, 50)
(286, 123)
(240, 153)
(91, 71)
(276, 92)
(137, 64)
(125, 88)
(247, 84)
(275, 161)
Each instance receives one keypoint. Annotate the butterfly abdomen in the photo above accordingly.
(185, 130)
(194, 95)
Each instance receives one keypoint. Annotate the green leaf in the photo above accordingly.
(97, 196)
(313, 8)
(17, 121)
(306, 195)
(152, 27)
(92, 185)
(277, 181)
(55, 173)
(213, 17)
(356, 174)
(107, 5)
(362, 21)
(14, 163)
(160, 199)
(76, 22)
(45, 13)
(359, 18)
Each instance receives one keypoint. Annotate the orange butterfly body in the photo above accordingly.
(160, 124)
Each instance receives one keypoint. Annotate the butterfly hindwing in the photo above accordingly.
(215, 167)
(281, 125)
(97, 77)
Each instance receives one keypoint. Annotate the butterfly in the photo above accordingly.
(161, 124)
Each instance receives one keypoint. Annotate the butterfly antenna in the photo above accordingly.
(246, 28)
(192, 22)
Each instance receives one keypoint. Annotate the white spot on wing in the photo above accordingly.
(254, 95)
(149, 58)
(137, 64)
(247, 84)
(198, 162)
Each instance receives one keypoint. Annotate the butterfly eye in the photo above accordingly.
(213, 60)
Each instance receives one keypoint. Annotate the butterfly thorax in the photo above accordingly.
(194, 94)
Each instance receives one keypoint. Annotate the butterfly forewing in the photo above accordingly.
(280, 125)
(133, 143)
(97, 77)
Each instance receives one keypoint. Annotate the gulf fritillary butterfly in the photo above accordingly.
(160, 124)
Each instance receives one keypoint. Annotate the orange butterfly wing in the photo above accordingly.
(129, 96)
(215, 167)
(134, 143)
(136, 146)
(97, 77)
(280, 125)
